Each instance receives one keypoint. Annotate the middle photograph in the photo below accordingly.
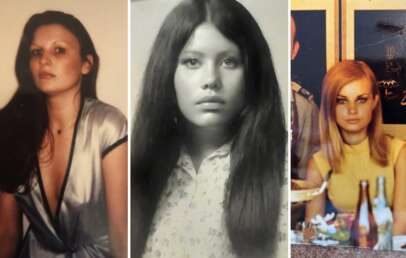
(209, 128)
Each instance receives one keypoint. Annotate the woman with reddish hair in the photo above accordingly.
(354, 146)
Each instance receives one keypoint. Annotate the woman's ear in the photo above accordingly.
(87, 64)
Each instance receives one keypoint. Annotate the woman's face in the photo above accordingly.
(55, 61)
(209, 78)
(354, 107)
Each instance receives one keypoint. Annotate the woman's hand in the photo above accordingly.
(115, 180)
(399, 198)
(313, 180)
(9, 225)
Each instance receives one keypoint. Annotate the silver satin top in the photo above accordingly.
(79, 228)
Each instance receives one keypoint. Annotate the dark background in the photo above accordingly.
(309, 67)
(380, 42)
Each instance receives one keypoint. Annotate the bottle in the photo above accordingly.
(364, 231)
(380, 199)
(383, 217)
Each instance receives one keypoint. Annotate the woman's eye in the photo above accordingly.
(230, 63)
(191, 63)
(362, 100)
(60, 50)
(340, 101)
(36, 52)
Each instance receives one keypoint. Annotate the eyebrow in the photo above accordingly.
(361, 95)
(193, 52)
(196, 52)
(53, 43)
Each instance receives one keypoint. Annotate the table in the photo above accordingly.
(315, 251)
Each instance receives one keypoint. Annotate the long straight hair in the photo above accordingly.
(336, 78)
(252, 197)
(24, 119)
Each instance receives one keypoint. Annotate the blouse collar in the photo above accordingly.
(363, 146)
(185, 160)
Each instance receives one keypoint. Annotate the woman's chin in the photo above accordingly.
(210, 122)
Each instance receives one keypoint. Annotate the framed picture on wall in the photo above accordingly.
(317, 32)
(374, 31)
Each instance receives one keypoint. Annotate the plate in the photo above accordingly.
(303, 195)
(328, 242)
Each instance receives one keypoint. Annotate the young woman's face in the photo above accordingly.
(354, 107)
(55, 61)
(209, 78)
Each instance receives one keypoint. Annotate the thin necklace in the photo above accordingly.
(70, 125)
(59, 131)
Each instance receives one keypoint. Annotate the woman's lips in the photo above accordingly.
(210, 99)
(46, 75)
(353, 120)
(211, 103)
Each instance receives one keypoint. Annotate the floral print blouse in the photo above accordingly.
(190, 221)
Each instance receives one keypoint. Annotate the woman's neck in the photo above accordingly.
(354, 138)
(201, 142)
(63, 110)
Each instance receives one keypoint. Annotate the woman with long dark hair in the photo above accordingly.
(63, 152)
(208, 149)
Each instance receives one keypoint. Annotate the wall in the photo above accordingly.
(147, 17)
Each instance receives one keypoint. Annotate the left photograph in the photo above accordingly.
(63, 129)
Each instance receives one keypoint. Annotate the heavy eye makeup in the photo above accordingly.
(360, 99)
(59, 50)
(37, 52)
(341, 100)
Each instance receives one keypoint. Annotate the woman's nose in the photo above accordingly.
(352, 108)
(211, 77)
(45, 59)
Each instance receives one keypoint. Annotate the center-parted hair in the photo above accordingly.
(252, 198)
(24, 119)
(336, 78)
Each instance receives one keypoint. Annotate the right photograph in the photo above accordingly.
(348, 124)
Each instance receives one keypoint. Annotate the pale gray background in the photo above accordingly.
(147, 17)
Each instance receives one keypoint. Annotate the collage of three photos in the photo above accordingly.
(203, 128)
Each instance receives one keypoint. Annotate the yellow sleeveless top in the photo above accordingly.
(343, 186)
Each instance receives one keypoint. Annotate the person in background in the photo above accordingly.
(305, 129)
(304, 119)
